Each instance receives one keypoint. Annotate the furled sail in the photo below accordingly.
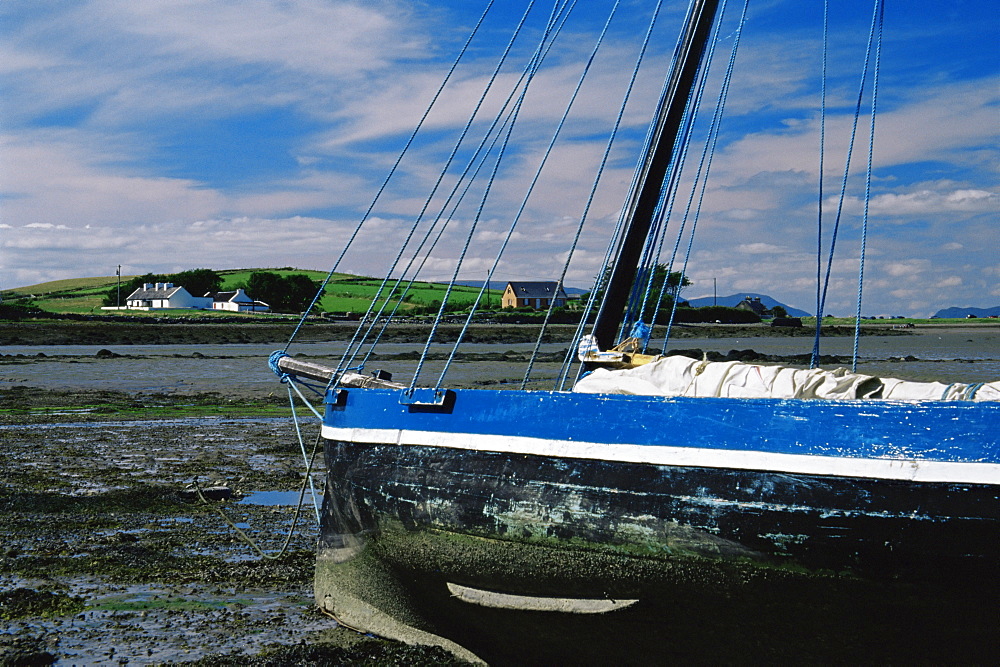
(682, 376)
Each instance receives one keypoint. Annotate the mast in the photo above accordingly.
(643, 199)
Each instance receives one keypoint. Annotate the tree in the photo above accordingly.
(299, 292)
(283, 294)
(111, 296)
(267, 287)
(779, 311)
(675, 281)
(198, 282)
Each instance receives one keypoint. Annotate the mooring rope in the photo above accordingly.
(295, 516)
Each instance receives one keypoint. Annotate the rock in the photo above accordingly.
(23, 651)
(209, 492)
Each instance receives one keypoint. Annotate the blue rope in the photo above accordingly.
(378, 194)
(713, 133)
(272, 362)
(814, 360)
(480, 156)
(847, 162)
(879, 7)
(590, 198)
(704, 164)
(354, 345)
(557, 20)
(553, 27)
(616, 237)
(386, 321)
(566, 9)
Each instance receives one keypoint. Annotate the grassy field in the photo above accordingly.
(344, 293)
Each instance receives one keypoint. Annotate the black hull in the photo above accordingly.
(720, 561)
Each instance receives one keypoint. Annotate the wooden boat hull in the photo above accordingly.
(425, 538)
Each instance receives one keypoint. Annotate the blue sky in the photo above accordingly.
(166, 135)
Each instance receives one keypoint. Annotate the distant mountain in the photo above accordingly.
(965, 312)
(733, 299)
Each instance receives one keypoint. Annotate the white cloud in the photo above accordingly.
(761, 249)
(924, 202)
(100, 85)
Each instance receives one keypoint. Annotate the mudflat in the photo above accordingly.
(180, 332)
(109, 555)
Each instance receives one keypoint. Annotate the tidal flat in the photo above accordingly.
(108, 556)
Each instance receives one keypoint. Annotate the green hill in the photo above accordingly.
(344, 293)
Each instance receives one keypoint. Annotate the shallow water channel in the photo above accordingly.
(944, 354)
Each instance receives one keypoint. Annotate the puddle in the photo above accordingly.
(277, 498)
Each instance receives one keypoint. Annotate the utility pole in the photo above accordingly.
(715, 293)
(118, 299)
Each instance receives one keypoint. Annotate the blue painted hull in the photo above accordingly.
(890, 507)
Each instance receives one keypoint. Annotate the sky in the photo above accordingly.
(167, 135)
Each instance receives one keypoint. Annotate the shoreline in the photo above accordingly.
(186, 333)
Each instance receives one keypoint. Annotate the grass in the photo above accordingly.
(344, 293)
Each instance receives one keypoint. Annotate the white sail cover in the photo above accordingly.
(683, 376)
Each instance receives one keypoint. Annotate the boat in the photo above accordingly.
(854, 518)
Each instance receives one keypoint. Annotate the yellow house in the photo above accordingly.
(533, 294)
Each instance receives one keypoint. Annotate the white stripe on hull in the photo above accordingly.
(914, 470)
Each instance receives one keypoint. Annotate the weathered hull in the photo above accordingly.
(700, 560)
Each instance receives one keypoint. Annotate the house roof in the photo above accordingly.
(145, 293)
(237, 295)
(752, 303)
(222, 296)
(537, 290)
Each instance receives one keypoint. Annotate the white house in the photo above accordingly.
(155, 296)
(238, 301)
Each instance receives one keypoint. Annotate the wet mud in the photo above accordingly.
(180, 332)
(107, 558)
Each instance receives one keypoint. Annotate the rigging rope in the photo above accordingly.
(378, 194)
(557, 21)
(560, 379)
(879, 9)
(480, 156)
(847, 169)
(451, 157)
(814, 360)
(517, 216)
(713, 133)
(616, 237)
